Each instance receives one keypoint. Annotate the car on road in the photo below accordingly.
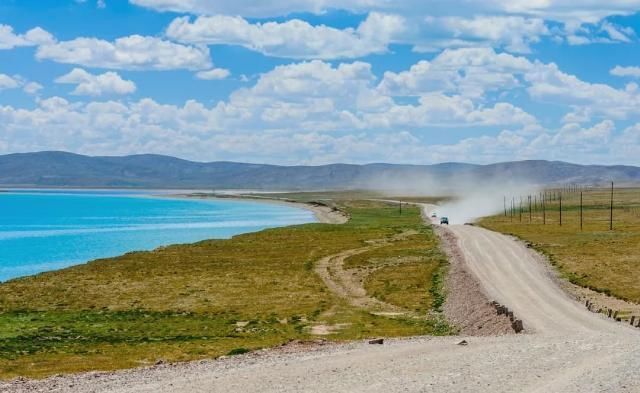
(444, 220)
(434, 215)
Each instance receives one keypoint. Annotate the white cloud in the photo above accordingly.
(213, 74)
(429, 32)
(594, 137)
(570, 143)
(549, 84)
(446, 111)
(299, 39)
(7, 82)
(470, 72)
(617, 33)
(32, 87)
(514, 33)
(134, 52)
(427, 25)
(604, 32)
(316, 96)
(97, 85)
(199, 132)
(246, 8)
(33, 37)
(17, 81)
(293, 39)
(343, 112)
(633, 72)
(308, 109)
(589, 11)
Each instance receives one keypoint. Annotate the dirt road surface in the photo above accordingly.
(565, 348)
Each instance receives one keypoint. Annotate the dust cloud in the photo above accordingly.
(466, 197)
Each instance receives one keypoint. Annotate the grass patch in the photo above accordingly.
(407, 272)
(238, 351)
(592, 257)
(206, 299)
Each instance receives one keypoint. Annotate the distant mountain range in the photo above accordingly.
(60, 169)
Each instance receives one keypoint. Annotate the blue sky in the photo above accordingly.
(312, 82)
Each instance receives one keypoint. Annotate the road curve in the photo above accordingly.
(514, 276)
(566, 348)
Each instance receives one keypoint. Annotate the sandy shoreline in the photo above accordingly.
(324, 214)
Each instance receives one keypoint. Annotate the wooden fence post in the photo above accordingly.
(611, 210)
(580, 210)
(560, 196)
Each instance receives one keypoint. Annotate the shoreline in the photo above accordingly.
(323, 213)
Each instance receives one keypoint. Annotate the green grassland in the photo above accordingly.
(216, 297)
(591, 256)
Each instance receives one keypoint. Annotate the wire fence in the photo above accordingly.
(575, 206)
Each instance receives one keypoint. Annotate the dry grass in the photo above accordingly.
(182, 302)
(406, 285)
(593, 257)
(402, 272)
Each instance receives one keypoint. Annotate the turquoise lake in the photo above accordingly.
(48, 230)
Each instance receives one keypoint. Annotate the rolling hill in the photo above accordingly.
(61, 169)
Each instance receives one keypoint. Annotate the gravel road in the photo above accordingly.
(565, 348)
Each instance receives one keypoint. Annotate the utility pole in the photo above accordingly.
(544, 209)
(580, 210)
(611, 210)
(520, 210)
(560, 198)
(529, 209)
(512, 209)
(505, 205)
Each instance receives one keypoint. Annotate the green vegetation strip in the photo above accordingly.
(218, 297)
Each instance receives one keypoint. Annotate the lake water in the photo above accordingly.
(48, 230)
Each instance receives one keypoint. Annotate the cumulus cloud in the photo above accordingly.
(7, 82)
(427, 25)
(514, 33)
(299, 39)
(96, 85)
(134, 52)
(603, 32)
(199, 132)
(470, 72)
(474, 72)
(633, 72)
(325, 106)
(548, 83)
(589, 11)
(213, 74)
(16, 81)
(344, 112)
(33, 37)
(293, 39)
(248, 8)
(32, 87)
(316, 95)
(447, 111)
